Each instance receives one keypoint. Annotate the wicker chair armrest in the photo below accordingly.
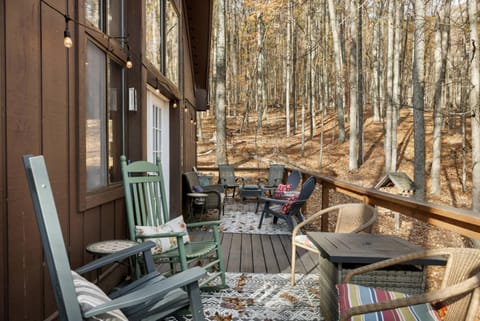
(430, 297)
(312, 218)
(394, 261)
(214, 188)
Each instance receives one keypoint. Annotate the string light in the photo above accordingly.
(185, 109)
(67, 39)
(129, 63)
(174, 105)
(157, 90)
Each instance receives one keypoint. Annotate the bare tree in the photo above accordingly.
(339, 85)
(220, 79)
(474, 107)
(353, 84)
(442, 44)
(418, 99)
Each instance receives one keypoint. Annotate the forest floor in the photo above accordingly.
(257, 148)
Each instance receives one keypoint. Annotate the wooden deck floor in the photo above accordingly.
(259, 253)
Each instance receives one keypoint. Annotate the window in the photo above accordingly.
(104, 118)
(171, 37)
(106, 15)
(162, 37)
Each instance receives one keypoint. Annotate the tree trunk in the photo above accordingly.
(442, 44)
(389, 99)
(339, 89)
(418, 100)
(353, 83)
(474, 107)
(221, 150)
(288, 73)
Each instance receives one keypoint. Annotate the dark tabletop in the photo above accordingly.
(365, 248)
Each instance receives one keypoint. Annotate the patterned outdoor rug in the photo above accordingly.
(263, 297)
(240, 217)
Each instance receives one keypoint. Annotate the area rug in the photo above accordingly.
(263, 297)
(241, 218)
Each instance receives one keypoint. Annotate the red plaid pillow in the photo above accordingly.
(286, 206)
(281, 188)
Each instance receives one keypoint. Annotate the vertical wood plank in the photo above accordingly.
(3, 213)
(234, 259)
(258, 255)
(107, 222)
(23, 124)
(269, 254)
(226, 244)
(280, 253)
(246, 264)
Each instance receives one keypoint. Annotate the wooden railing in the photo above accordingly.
(462, 221)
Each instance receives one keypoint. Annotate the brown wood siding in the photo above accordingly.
(3, 212)
(42, 107)
(23, 133)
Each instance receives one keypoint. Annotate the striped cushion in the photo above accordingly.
(89, 296)
(350, 295)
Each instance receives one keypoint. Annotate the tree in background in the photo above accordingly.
(220, 81)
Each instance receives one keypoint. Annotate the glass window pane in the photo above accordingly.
(95, 130)
(171, 47)
(153, 32)
(94, 13)
(115, 120)
(115, 18)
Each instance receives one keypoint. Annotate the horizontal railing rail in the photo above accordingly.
(462, 221)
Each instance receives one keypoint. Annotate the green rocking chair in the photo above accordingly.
(149, 219)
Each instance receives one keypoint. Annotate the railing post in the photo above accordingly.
(325, 204)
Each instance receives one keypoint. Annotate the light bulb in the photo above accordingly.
(129, 63)
(174, 105)
(67, 40)
(185, 109)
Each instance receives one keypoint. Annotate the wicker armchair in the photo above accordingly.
(216, 193)
(459, 293)
(351, 218)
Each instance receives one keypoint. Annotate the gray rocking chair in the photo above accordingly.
(151, 297)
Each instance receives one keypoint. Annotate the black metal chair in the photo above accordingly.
(150, 297)
(216, 193)
(289, 210)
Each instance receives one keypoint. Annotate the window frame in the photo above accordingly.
(114, 50)
(163, 53)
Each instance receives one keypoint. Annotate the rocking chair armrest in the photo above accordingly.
(159, 235)
(150, 292)
(143, 247)
(207, 223)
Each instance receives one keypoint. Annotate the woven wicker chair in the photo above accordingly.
(351, 218)
(216, 193)
(459, 292)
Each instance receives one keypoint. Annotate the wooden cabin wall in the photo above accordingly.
(40, 117)
(3, 217)
(41, 106)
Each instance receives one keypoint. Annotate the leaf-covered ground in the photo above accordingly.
(253, 147)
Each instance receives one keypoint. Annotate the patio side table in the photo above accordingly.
(197, 200)
(342, 252)
(102, 248)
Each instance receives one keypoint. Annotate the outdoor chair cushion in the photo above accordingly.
(286, 206)
(163, 244)
(281, 189)
(304, 240)
(89, 296)
(350, 295)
